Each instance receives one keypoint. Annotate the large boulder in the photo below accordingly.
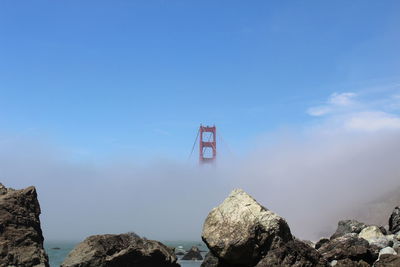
(348, 227)
(350, 247)
(295, 253)
(241, 231)
(124, 250)
(21, 238)
(193, 254)
(394, 221)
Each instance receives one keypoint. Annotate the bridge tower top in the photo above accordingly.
(207, 144)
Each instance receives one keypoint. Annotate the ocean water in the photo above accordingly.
(57, 251)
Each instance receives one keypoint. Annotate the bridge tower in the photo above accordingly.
(207, 144)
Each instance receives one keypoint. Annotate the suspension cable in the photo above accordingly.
(194, 144)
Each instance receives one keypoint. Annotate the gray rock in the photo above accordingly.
(321, 242)
(394, 221)
(124, 250)
(347, 227)
(349, 247)
(396, 245)
(294, 253)
(349, 263)
(193, 254)
(308, 242)
(388, 260)
(241, 231)
(374, 236)
(210, 260)
(371, 232)
(21, 238)
(384, 230)
(387, 250)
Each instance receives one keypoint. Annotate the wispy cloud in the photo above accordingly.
(337, 101)
(343, 99)
(360, 111)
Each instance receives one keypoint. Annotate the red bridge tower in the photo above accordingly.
(208, 144)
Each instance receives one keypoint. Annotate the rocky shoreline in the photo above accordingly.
(238, 233)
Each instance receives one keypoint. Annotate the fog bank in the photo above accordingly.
(312, 179)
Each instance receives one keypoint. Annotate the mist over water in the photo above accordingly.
(311, 179)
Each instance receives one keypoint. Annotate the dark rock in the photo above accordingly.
(350, 263)
(56, 248)
(294, 253)
(347, 227)
(308, 242)
(321, 242)
(383, 230)
(193, 254)
(21, 238)
(394, 221)
(124, 250)
(388, 260)
(179, 253)
(210, 260)
(349, 247)
(241, 231)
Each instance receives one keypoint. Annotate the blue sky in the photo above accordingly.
(100, 78)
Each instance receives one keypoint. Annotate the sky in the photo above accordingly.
(94, 94)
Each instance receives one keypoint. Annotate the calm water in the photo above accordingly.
(57, 256)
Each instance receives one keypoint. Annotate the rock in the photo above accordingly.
(210, 260)
(381, 243)
(349, 263)
(390, 237)
(371, 233)
(386, 227)
(347, 227)
(56, 248)
(193, 254)
(394, 221)
(374, 236)
(21, 238)
(388, 260)
(383, 230)
(241, 231)
(308, 242)
(349, 247)
(321, 242)
(4, 190)
(387, 250)
(396, 244)
(294, 253)
(122, 250)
